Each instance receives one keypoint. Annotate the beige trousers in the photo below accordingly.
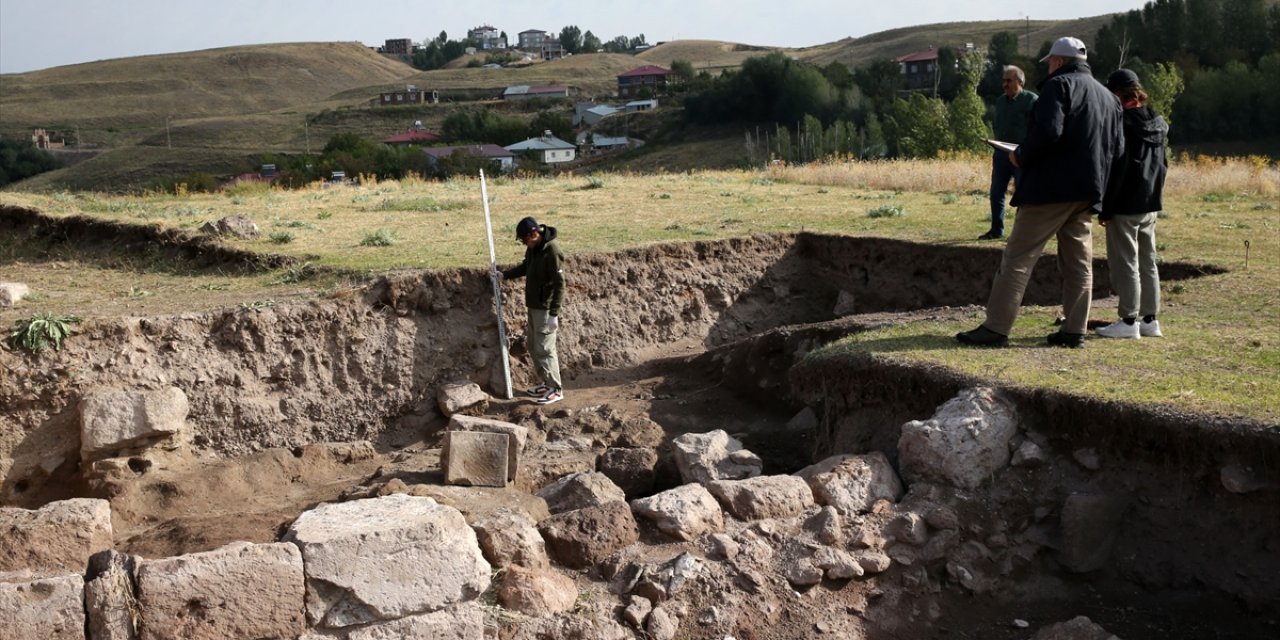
(1032, 228)
(542, 346)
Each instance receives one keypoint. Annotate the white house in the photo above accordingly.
(549, 149)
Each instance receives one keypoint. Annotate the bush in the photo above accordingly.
(280, 237)
(379, 238)
(886, 211)
(40, 330)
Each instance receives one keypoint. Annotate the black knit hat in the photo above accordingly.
(1121, 78)
(526, 227)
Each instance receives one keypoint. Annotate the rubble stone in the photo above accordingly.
(825, 526)
(585, 537)
(854, 483)
(11, 293)
(579, 490)
(459, 622)
(537, 592)
(509, 537)
(1078, 628)
(704, 457)
(239, 226)
(45, 607)
(684, 512)
(111, 605)
(763, 497)
(632, 469)
(60, 536)
(455, 397)
(115, 419)
(963, 444)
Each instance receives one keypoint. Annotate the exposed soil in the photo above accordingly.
(301, 404)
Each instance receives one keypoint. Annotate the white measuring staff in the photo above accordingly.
(497, 289)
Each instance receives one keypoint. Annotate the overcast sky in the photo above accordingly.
(38, 34)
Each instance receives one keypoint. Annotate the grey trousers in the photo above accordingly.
(1033, 226)
(1131, 254)
(542, 346)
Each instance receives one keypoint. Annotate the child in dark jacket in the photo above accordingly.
(1130, 210)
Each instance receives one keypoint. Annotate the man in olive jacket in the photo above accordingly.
(543, 265)
(1073, 147)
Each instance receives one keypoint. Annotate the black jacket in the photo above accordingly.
(1140, 185)
(1074, 143)
(544, 265)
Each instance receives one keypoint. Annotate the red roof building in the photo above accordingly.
(919, 70)
(416, 136)
(650, 77)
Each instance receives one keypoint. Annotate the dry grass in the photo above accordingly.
(1221, 355)
(1188, 175)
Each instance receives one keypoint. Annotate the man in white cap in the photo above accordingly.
(1072, 148)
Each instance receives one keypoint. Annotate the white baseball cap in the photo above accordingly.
(1067, 47)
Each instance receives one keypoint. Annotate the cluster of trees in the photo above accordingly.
(1227, 52)
(20, 159)
(574, 40)
(836, 112)
(439, 51)
(485, 126)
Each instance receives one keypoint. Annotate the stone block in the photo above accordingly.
(60, 536)
(763, 497)
(113, 419)
(519, 437)
(41, 606)
(461, 622)
(452, 398)
(476, 459)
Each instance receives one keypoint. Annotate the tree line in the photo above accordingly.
(436, 52)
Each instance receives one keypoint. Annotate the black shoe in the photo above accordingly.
(1064, 339)
(991, 235)
(982, 337)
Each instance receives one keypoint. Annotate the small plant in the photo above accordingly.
(593, 183)
(674, 226)
(297, 273)
(886, 211)
(379, 238)
(823, 190)
(950, 198)
(137, 292)
(664, 196)
(214, 286)
(41, 330)
(258, 304)
(324, 215)
(280, 237)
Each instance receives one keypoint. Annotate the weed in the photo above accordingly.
(296, 224)
(1264, 206)
(378, 238)
(137, 292)
(1217, 196)
(593, 183)
(674, 226)
(886, 211)
(763, 182)
(1233, 225)
(297, 273)
(729, 221)
(324, 215)
(950, 198)
(1177, 288)
(280, 237)
(258, 304)
(214, 286)
(823, 190)
(40, 330)
(417, 204)
(664, 196)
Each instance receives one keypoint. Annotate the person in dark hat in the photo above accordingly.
(1073, 144)
(543, 265)
(1130, 210)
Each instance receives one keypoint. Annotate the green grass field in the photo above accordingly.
(1221, 356)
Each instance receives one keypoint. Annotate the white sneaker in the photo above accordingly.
(1150, 329)
(538, 391)
(1119, 329)
(554, 395)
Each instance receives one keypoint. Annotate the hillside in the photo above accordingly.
(112, 100)
(219, 108)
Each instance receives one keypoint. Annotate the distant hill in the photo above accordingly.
(217, 109)
(126, 93)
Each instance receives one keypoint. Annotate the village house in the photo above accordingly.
(503, 159)
(487, 37)
(532, 39)
(409, 95)
(397, 47)
(648, 77)
(920, 70)
(547, 148)
(529, 92)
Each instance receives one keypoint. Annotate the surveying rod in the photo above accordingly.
(497, 290)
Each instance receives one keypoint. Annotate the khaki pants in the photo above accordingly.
(542, 346)
(1131, 254)
(1032, 228)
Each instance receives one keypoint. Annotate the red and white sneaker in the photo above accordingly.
(553, 395)
(538, 391)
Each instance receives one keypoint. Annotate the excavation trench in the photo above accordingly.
(690, 337)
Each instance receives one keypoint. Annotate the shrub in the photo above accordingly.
(280, 237)
(886, 211)
(379, 238)
(41, 330)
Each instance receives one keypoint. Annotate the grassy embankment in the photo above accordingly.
(1221, 355)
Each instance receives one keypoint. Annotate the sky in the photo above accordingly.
(39, 34)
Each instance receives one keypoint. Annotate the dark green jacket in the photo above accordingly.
(544, 266)
(1013, 116)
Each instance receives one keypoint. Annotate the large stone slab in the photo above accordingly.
(582, 538)
(476, 459)
(684, 512)
(455, 397)
(763, 496)
(386, 558)
(241, 590)
(115, 419)
(60, 536)
(461, 622)
(703, 457)
(853, 484)
(41, 607)
(963, 444)
(579, 490)
(519, 437)
(110, 597)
